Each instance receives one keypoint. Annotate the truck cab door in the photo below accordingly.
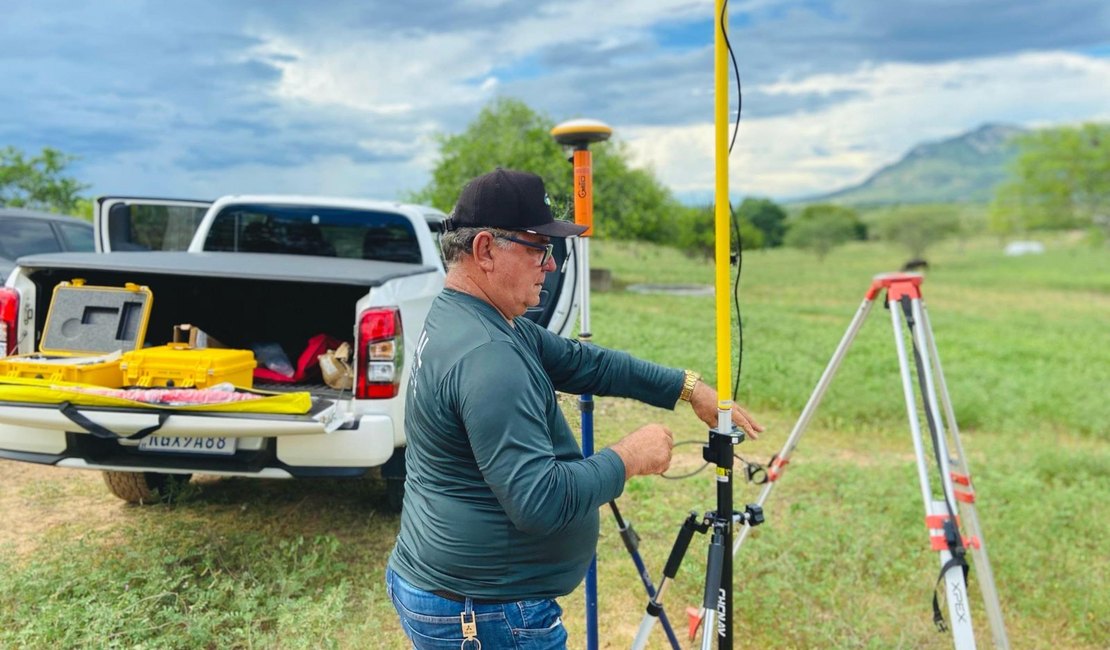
(144, 224)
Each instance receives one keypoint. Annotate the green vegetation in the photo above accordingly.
(767, 216)
(1061, 180)
(1043, 180)
(630, 203)
(963, 169)
(842, 561)
(916, 227)
(506, 133)
(696, 232)
(39, 182)
(822, 227)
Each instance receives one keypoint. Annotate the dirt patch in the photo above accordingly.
(38, 500)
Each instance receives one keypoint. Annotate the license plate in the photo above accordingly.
(188, 445)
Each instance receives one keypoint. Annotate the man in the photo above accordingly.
(501, 510)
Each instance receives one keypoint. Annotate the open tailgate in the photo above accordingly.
(41, 405)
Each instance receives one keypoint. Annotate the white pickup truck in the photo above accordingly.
(248, 270)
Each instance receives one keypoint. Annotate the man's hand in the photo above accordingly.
(645, 451)
(704, 402)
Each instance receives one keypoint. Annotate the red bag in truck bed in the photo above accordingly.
(308, 364)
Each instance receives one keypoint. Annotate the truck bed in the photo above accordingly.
(238, 299)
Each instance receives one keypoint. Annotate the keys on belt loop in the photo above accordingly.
(469, 628)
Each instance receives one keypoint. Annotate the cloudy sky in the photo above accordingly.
(199, 98)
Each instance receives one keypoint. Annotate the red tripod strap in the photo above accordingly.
(937, 521)
(964, 496)
(777, 467)
(937, 541)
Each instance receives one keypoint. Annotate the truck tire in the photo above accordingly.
(145, 487)
(395, 493)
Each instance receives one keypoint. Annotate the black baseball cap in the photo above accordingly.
(509, 200)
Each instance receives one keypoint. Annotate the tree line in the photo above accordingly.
(39, 182)
(629, 203)
(1060, 180)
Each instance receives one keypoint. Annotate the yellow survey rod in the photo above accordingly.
(721, 201)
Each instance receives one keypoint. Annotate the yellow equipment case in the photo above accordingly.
(180, 366)
(87, 327)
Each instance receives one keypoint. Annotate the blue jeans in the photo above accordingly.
(432, 622)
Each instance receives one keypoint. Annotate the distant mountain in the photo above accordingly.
(963, 169)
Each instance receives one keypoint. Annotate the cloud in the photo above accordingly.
(409, 70)
(808, 36)
(891, 108)
(945, 30)
(219, 95)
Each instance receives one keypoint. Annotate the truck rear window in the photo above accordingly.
(324, 232)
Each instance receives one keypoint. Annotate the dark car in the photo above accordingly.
(26, 232)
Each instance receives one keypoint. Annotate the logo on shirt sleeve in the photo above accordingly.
(420, 345)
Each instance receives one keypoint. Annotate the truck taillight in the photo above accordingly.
(380, 353)
(9, 312)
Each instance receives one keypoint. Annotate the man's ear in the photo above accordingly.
(482, 250)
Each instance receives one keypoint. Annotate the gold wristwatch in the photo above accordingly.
(688, 382)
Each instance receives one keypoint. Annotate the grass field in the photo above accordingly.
(842, 561)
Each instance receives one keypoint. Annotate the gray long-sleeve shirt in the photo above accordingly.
(499, 502)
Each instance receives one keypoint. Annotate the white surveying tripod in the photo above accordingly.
(903, 299)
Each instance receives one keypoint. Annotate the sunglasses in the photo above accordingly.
(548, 249)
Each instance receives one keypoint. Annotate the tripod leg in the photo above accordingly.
(966, 500)
(714, 574)
(632, 543)
(929, 393)
(911, 406)
(938, 514)
(955, 583)
(674, 561)
(783, 457)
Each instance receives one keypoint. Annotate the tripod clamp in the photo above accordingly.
(717, 603)
(719, 449)
(751, 516)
